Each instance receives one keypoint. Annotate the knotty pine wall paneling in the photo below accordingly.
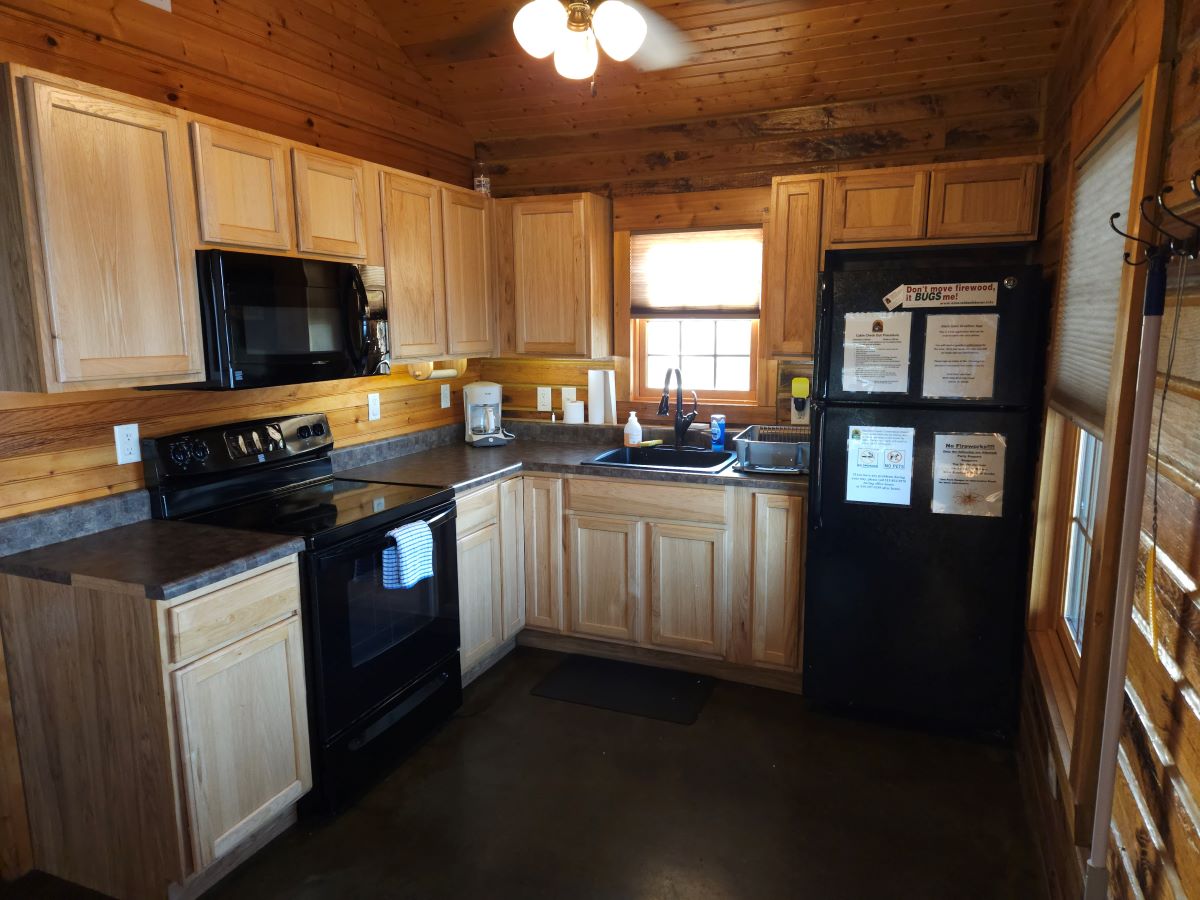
(322, 72)
(58, 449)
(1155, 825)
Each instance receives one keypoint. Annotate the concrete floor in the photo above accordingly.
(524, 797)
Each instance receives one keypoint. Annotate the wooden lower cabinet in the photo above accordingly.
(688, 589)
(480, 613)
(543, 499)
(512, 555)
(243, 737)
(164, 773)
(605, 576)
(775, 598)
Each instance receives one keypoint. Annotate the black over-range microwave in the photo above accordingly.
(272, 320)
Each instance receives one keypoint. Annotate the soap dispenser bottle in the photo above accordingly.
(633, 431)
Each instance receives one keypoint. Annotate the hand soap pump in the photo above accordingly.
(633, 430)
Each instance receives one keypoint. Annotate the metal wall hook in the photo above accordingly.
(1183, 246)
(1193, 182)
(1162, 204)
(1150, 250)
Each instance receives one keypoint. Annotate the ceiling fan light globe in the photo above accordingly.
(620, 29)
(539, 25)
(576, 55)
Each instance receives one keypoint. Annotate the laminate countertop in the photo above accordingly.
(158, 559)
(465, 468)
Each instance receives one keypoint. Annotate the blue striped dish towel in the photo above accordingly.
(409, 558)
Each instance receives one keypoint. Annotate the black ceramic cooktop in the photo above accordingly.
(331, 510)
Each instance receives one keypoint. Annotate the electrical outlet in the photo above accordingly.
(126, 438)
(445, 396)
(545, 399)
(800, 418)
(372, 407)
(568, 394)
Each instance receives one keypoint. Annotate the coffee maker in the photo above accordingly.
(482, 403)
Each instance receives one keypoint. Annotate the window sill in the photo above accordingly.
(1058, 689)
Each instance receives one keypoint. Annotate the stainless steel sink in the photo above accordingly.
(665, 459)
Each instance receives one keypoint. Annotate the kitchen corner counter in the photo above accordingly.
(158, 559)
(465, 468)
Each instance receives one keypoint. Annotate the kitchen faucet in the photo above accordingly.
(682, 422)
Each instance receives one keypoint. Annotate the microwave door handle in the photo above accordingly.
(359, 324)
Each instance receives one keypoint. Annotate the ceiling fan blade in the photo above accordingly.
(664, 47)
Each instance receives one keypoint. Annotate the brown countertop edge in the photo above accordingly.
(465, 468)
(162, 560)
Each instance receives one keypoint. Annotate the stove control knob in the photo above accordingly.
(179, 454)
(304, 432)
(200, 452)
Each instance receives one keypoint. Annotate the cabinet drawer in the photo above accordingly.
(478, 509)
(642, 500)
(231, 612)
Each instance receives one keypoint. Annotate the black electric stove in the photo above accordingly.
(382, 663)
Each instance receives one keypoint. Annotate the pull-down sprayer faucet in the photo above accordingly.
(682, 422)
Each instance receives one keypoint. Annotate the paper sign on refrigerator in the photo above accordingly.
(875, 352)
(960, 356)
(968, 474)
(879, 465)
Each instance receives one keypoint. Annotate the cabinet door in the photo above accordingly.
(688, 592)
(243, 737)
(117, 232)
(605, 580)
(550, 277)
(412, 250)
(241, 188)
(878, 206)
(984, 201)
(543, 502)
(479, 592)
(467, 237)
(793, 260)
(775, 609)
(330, 218)
(512, 555)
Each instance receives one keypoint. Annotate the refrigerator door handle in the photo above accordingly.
(816, 485)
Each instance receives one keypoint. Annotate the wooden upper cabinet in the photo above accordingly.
(413, 256)
(243, 187)
(793, 255)
(984, 201)
(470, 318)
(560, 275)
(878, 206)
(115, 223)
(243, 738)
(330, 215)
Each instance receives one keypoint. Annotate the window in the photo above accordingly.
(694, 300)
(1080, 530)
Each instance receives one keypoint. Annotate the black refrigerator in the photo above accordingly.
(925, 420)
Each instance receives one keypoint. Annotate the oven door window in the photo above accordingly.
(373, 641)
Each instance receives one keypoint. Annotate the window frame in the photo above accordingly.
(643, 392)
(1072, 445)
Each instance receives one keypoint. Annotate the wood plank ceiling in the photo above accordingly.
(827, 63)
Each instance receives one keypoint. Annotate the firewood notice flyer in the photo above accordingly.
(879, 465)
(968, 474)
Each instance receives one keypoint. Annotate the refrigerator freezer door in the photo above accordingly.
(994, 318)
(907, 611)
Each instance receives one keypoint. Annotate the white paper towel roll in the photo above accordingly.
(602, 397)
(573, 412)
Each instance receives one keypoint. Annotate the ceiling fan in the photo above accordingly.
(577, 30)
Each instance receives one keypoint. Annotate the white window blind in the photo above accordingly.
(713, 273)
(1090, 288)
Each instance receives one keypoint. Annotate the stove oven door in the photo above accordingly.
(369, 643)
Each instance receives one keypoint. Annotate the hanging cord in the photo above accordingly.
(1151, 557)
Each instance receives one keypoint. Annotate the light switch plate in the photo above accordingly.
(545, 399)
(128, 448)
(445, 396)
(372, 407)
(568, 394)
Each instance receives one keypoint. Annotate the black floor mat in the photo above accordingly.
(646, 691)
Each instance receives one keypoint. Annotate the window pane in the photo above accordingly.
(697, 373)
(733, 373)
(662, 337)
(699, 336)
(733, 336)
(656, 369)
(1077, 577)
